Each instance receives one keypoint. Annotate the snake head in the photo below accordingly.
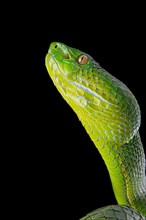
(93, 93)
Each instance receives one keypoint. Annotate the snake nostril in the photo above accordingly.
(60, 49)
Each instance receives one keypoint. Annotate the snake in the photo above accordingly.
(111, 116)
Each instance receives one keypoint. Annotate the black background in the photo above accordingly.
(61, 172)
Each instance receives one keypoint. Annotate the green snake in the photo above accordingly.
(111, 116)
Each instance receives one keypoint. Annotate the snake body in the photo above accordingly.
(111, 116)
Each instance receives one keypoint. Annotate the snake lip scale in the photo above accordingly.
(111, 117)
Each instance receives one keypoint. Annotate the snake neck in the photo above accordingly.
(125, 164)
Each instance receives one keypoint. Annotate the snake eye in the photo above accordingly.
(82, 59)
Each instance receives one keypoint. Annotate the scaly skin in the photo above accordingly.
(111, 116)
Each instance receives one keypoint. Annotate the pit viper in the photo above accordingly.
(111, 116)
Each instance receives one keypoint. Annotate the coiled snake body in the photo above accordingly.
(111, 116)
